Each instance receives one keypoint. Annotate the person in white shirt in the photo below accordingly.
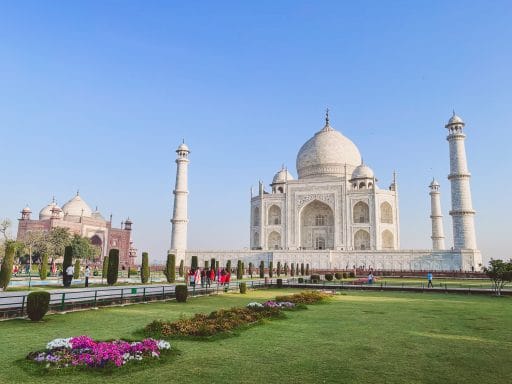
(69, 275)
(87, 274)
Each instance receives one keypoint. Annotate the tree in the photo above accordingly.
(292, 270)
(68, 261)
(43, 269)
(239, 272)
(307, 269)
(82, 248)
(262, 269)
(302, 269)
(228, 266)
(286, 269)
(271, 269)
(76, 271)
(7, 263)
(206, 264)
(5, 224)
(250, 269)
(500, 273)
(170, 268)
(212, 264)
(113, 266)
(278, 269)
(194, 263)
(144, 271)
(182, 268)
(58, 239)
(104, 270)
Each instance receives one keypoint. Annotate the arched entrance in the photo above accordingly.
(317, 226)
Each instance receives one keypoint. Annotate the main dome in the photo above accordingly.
(77, 207)
(326, 154)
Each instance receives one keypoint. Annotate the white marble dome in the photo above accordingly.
(282, 176)
(455, 120)
(77, 207)
(362, 172)
(326, 154)
(183, 147)
(46, 212)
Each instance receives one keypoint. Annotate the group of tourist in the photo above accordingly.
(205, 277)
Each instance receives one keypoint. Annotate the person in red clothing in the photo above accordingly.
(228, 277)
(212, 275)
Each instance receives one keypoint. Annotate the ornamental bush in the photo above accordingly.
(297, 269)
(182, 268)
(43, 271)
(262, 269)
(279, 283)
(144, 270)
(243, 288)
(292, 270)
(113, 266)
(352, 274)
(301, 280)
(76, 271)
(193, 263)
(170, 268)
(278, 268)
(228, 266)
(307, 269)
(181, 293)
(239, 271)
(104, 270)
(286, 269)
(345, 275)
(315, 278)
(68, 261)
(270, 269)
(37, 305)
(338, 276)
(302, 269)
(329, 277)
(7, 263)
(250, 269)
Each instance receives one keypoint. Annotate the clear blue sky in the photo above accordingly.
(97, 95)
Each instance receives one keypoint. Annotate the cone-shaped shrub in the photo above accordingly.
(182, 268)
(212, 264)
(181, 293)
(113, 266)
(329, 276)
(7, 263)
(170, 268)
(278, 268)
(144, 271)
(270, 269)
(193, 262)
(43, 271)
(243, 269)
(286, 269)
(307, 269)
(302, 269)
(104, 270)
(243, 288)
(76, 271)
(217, 265)
(68, 261)
(239, 272)
(292, 270)
(228, 266)
(37, 305)
(250, 270)
(262, 269)
(338, 276)
(297, 269)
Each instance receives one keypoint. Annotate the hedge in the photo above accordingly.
(37, 305)
(243, 288)
(181, 293)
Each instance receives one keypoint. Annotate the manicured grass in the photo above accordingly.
(359, 337)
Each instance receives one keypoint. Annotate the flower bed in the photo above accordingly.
(309, 297)
(223, 321)
(84, 352)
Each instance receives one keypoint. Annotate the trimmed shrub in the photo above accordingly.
(144, 270)
(76, 271)
(286, 269)
(279, 283)
(301, 280)
(315, 278)
(43, 271)
(37, 305)
(352, 274)
(302, 269)
(104, 269)
(250, 269)
(228, 266)
(193, 263)
(181, 293)
(262, 269)
(239, 271)
(113, 266)
(170, 268)
(243, 288)
(297, 269)
(278, 268)
(310, 297)
(243, 269)
(338, 276)
(68, 261)
(345, 275)
(182, 268)
(213, 264)
(307, 269)
(292, 270)
(329, 276)
(7, 263)
(270, 269)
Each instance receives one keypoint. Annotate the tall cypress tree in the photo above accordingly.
(113, 266)
(239, 270)
(144, 272)
(262, 269)
(182, 268)
(170, 268)
(7, 263)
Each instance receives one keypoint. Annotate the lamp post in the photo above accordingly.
(30, 266)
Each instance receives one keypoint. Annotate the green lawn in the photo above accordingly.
(359, 337)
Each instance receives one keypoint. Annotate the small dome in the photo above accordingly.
(183, 147)
(455, 120)
(77, 207)
(26, 210)
(46, 212)
(282, 176)
(362, 172)
(434, 183)
(326, 154)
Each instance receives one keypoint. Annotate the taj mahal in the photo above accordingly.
(335, 215)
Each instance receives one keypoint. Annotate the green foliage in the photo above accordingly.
(286, 269)
(68, 257)
(217, 265)
(279, 283)
(170, 268)
(271, 269)
(278, 269)
(306, 297)
(182, 268)
(113, 266)
(243, 288)
(243, 269)
(302, 269)
(292, 270)
(338, 276)
(301, 280)
(181, 293)
(329, 276)
(76, 271)
(7, 263)
(345, 275)
(213, 264)
(250, 269)
(43, 270)
(104, 270)
(37, 305)
(194, 263)
(228, 266)
(315, 278)
(262, 269)
(82, 248)
(352, 274)
(239, 271)
(297, 269)
(307, 269)
(500, 273)
(144, 271)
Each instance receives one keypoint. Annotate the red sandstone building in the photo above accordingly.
(79, 219)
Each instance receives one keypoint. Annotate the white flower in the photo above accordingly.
(59, 343)
(254, 305)
(154, 354)
(138, 357)
(162, 344)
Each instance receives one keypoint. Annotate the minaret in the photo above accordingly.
(462, 212)
(436, 216)
(180, 216)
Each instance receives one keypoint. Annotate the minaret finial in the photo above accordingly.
(327, 116)
(53, 199)
(78, 192)
(183, 140)
(453, 111)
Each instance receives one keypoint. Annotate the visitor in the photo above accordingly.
(203, 278)
(223, 276)
(212, 276)
(429, 278)
(228, 277)
(197, 276)
(87, 274)
(370, 278)
(192, 278)
(69, 275)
